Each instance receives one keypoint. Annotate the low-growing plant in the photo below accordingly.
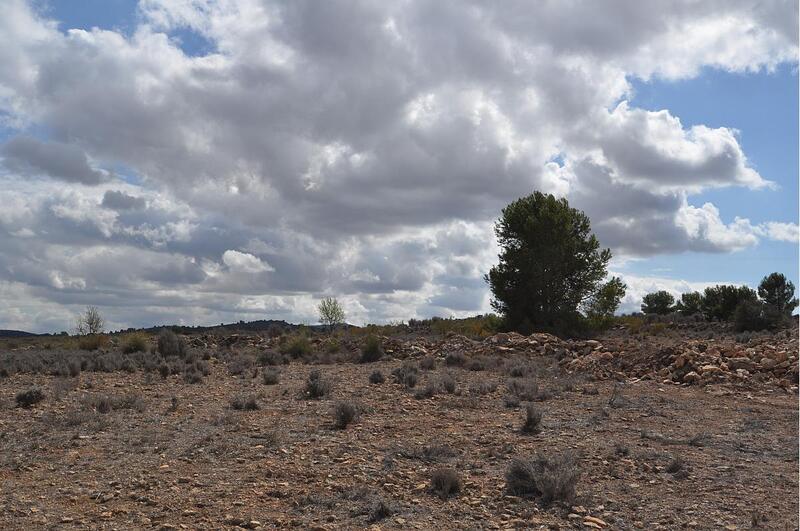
(297, 347)
(344, 414)
(445, 482)
(271, 376)
(428, 391)
(164, 370)
(170, 345)
(552, 478)
(523, 388)
(406, 374)
(455, 359)
(244, 403)
(30, 397)
(428, 363)
(380, 509)
(372, 350)
(533, 420)
(376, 377)
(92, 341)
(136, 342)
(317, 386)
(476, 364)
(271, 357)
(448, 383)
(482, 387)
(192, 376)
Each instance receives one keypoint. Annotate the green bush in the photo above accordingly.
(298, 346)
(135, 342)
(372, 350)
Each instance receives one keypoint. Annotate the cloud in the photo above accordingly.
(28, 156)
(244, 262)
(118, 200)
(358, 149)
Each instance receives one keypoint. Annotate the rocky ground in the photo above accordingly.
(671, 428)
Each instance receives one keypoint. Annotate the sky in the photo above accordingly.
(197, 161)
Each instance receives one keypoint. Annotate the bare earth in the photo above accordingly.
(204, 465)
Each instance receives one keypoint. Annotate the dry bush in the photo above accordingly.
(552, 478)
(525, 389)
(428, 391)
(455, 359)
(406, 374)
(244, 403)
(344, 414)
(380, 509)
(93, 341)
(30, 397)
(317, 386)
(271, 376)
(448, 383)
(428, 363)
(170, 345)
(376, 377)
(533, 420)
(445, 482)
(482, 387)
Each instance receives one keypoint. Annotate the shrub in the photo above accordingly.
(720, 302)
(74, 368)
(30, 397)
(271, 357)
(376, 377)
(428, 363)
(270, 376)
(379, 510)
(483, 387)
(476, 364)
(520, 370)
(372, 350)
(134, 343)
(455, 359)
(426, 392)
(103, 404)
(163, 370)
(552, 478)
(239, 364)
(169, 344)
(533, 419)
(406, 374)
(448, 383)
(244, 403)
(92, 341)
(344, 414)
(297, 347)
(192, 376)
(523, 388)
(316, 385)
(445, 482)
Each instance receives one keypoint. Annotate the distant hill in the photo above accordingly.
(16, 333)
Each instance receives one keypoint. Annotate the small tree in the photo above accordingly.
(720, 302)
(89, 322)
(778, 293)
(659, 302)
(604, 302)
(690, 303)
(331, 312)
(550, 264)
